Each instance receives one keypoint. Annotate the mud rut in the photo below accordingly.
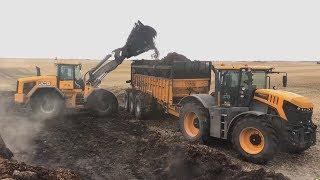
(123, 147)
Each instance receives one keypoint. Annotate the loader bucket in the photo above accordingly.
(140, 40)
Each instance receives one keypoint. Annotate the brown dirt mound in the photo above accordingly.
(16, 170)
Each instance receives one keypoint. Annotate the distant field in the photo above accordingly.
(304, 77)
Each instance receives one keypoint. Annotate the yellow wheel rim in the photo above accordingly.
(251, 140)
(191, 124)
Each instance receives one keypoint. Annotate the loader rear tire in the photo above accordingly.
(102, 103)
(46, 105)
(255, 140)
(194, 122)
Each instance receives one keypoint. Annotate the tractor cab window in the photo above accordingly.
(249, 82)
(66, 72)
(229, 85)
(253, 79)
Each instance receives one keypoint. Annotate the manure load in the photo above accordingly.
(172, 69)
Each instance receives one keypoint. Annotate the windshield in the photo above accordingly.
(258, 79)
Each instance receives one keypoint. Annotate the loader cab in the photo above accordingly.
(69, 76)
(235, 86)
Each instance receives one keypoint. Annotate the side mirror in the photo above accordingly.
(285, 81)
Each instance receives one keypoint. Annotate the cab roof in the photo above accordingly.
(238, 67)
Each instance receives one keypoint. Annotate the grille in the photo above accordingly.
(296, 115)
(27, 87)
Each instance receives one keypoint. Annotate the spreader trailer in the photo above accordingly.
(258, 120)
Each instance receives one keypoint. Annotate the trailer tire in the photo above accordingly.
(255, 139)
(126, 100)
(194, 122)
(102, 103)
(140, 107)
(132, 104)
(47, 104)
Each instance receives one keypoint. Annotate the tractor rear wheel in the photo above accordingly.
(194, 122)
(102, 103)
(47, 104)
(255, 139)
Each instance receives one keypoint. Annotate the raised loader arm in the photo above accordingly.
(140, 40)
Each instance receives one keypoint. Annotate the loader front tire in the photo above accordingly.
(47, 104)
(102, 103)
(255, 139)
(194, 122)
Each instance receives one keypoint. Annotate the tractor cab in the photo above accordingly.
(235, 85)
(69, 76)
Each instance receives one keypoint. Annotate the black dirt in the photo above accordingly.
(173, 56)
(140, 40)
(20, 170)
(123, 147)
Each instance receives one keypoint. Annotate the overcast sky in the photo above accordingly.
(199, 29)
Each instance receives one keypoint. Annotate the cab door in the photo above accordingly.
(66, 77)
(227, 87)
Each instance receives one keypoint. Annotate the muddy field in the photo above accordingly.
(121, 146)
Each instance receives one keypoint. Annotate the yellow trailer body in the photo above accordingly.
(168, 92)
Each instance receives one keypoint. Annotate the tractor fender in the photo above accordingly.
(41, 89)
(238, 117)
(205, 99)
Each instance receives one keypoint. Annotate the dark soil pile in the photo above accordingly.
(123, 147)
(173, 56)
(16, 170)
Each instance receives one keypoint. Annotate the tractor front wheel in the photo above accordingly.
(255, 139)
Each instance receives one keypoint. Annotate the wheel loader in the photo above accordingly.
(48, 96)
(258, 120)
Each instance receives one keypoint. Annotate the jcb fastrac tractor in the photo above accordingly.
(257, 119)
(48, 96)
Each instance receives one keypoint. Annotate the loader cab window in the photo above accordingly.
(77, 72)
(79, 83)
(66, 72)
